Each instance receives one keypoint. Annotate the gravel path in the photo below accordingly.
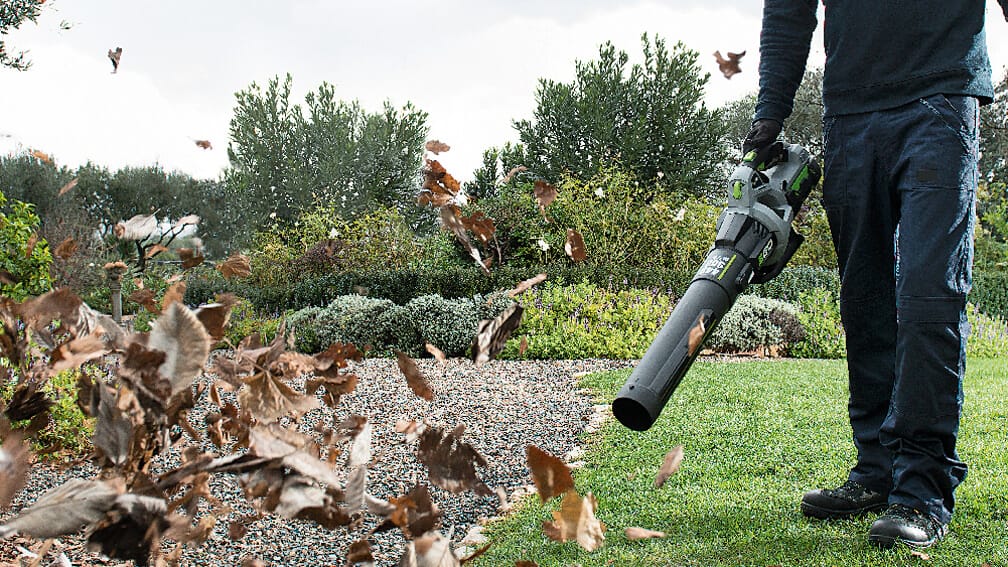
(505, 406)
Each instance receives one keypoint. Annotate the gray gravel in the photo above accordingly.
(505, 405)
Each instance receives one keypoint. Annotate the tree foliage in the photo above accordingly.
(285, 157)
(649, 118)
(24, 255)
(13, 13)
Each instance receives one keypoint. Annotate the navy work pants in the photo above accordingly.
(901, 184)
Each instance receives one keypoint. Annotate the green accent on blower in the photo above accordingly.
(801, 178)
(749, 156)
(737, 190)
(728, 265)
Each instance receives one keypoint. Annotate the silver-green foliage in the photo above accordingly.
(756, 322)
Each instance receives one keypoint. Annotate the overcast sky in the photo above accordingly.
(472, 65)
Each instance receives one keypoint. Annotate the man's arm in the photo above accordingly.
(784, 48)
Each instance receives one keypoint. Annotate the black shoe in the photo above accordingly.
(904, 524)
(849, 500)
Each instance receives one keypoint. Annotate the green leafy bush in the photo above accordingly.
(988, 335)
(755, 323)
(24, 256)
(69, 432)
(449, 324)
(824, 333)
(990, 292)
(791, 283)
(587, 321)
(246, 321)
(348, 319)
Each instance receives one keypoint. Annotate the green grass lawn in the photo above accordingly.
(756, 436)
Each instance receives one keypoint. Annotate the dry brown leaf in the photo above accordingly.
(512, 172)
(523, 345)
(480, 225)
(550, 474)
(414, 513)
(729, 66)
(138, 227)
(75, 352)
(696, 335)
(450, 461)
(436, 146)
(920, 554)
(41, 156)
(64, 509)
(414, 377)
(155, 250)
(575, 520)
(669, 466)
(359, 552)
(236, 266)
(437, 353)
(205, 144)
(114, 56)
(63, 190)
(30, 246)
(429, 550)
(525, 285)
(635, 534)
(526, 564)
(145, 297)
(174, 294)
(189, 257)
(185, 342)
(215, 316)
(575, 246)
(545, 194)
(492, 334)
(267, 398)
(15, 459)
(65, 249)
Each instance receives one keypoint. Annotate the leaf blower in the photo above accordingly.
(754, 241)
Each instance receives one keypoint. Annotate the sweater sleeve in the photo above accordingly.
(784, 48)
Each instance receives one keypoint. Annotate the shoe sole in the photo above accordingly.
(888, 542)
(814, 511)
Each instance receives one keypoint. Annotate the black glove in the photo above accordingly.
(758, 146)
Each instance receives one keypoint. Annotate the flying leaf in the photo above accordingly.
(436, 146)
(920, 554)
(729, 66)
(359, 552)
(205, 144)
(525, 285)
(189, 257)
(215, 316)
(437, 353)
(575, 520)
(550, 474)
(236, 266)
(30, 246)
(575, 246)
(114, 56)
(523, 345)
(131, 529)
(65, 249)
(545, 194)
(696, 335)
(114, 424)
(26, 402)
(414, 377)
(294, 449)
(75, 352)
(174, 294)
(155, 250)
(145, 297)
(512, 172)
(414, 513)
(187, 220)
(185, 342)
(669, 466)
(15, 461)
(64, 509)
(357, 461)
(429, 550)
(138, 227)
(41, 156)
(480, 225)
(635, 534)
(492, 334)
(450, 461)
(267, 398)
(70, 185)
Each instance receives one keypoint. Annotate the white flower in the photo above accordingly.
(272, 215)
(661, 174)
(598, 192)
(333, 233)
(680, 214)
(543, 245)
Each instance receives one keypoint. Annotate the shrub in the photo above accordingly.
(246, 321)
(990, 292)
(824, 333)
(791, 283)
(988, 335)
(348, 319)
(69, 432)
(755, 323)
(587, 321)
(449, 324)
(24, 256)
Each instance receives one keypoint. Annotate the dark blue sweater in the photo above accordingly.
(879, 53)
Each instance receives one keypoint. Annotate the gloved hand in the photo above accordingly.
(763, 133)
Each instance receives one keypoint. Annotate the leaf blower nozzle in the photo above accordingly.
(754, 242)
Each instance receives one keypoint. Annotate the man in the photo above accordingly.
(901, 90)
